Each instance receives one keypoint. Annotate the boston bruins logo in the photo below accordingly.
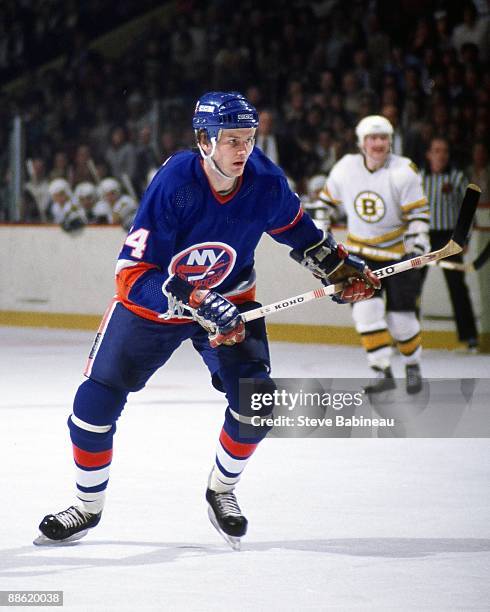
(369, 206)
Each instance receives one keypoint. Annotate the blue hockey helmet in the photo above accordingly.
(218, 110)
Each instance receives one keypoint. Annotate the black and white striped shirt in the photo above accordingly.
(445, 193)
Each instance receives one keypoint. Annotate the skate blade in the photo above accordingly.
(42, 540)
(232, 541)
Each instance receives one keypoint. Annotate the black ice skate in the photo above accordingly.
(384, 381)
(414, 378)
(68, 526)
(226, 516)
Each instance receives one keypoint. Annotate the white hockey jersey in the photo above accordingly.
(123, 211)
(379, 204)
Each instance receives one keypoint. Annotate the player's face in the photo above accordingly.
(111, 197)
(60, 198)
(377, 147)
(233, 149)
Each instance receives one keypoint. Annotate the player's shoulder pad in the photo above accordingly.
(179, 172)
(177, 166)
(178, 179)
(346, 164)
(403, 170)
(403, 164)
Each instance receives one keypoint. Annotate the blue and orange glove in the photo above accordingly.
(219, 317)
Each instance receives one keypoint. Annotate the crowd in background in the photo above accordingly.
(35, 31)
(313, 69)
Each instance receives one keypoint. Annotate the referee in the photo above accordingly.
(444, 187)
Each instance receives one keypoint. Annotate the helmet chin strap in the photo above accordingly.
(209, 159)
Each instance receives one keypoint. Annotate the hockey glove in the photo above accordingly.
(332, 263)
(417, 244)
(219, 317)
(73, 220)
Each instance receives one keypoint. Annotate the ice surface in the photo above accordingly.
(335, 524)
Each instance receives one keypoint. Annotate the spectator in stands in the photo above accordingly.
(266, 138)
(61, 167)
(282, 150)
(83, 160)
(121, 154)
(139, 117)
(99, 134)
(325, 150)
(168, 145)
(443, 39)
(390, 111)
(296, 61)
(350, 93)
(378, 44)
(479, 169)
(147, 158)
(37, 192)
(474, 30)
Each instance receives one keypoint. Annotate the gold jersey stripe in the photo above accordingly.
(418, 204)
(376, 240)
(326, 197)
(358, 250)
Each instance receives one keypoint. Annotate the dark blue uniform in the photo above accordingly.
(183, 227)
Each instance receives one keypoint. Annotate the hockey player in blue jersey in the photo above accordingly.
(185, 272)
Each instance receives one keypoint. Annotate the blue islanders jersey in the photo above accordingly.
(184, 227)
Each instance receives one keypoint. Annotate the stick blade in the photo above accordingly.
(482, 257)
(466, 214)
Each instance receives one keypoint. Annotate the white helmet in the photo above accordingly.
(107, 185)
(373, 124)
(59, 186)
(315, 183)
(85, 190)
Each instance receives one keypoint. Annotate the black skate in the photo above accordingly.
(384, 381)
(226, 516)
(68, 526)
(414, 378)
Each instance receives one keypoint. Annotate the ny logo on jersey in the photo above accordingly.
(369, 206)
(204, 265)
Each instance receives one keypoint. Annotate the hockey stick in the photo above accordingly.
(93, 171)
(479, 262)
(448, 265)
(126, 181)
(454, 246)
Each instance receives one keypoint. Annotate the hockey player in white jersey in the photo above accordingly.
(63, 208)
(387, 212)
(117, 207)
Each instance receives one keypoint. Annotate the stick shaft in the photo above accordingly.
(454, 246)
(451, 248)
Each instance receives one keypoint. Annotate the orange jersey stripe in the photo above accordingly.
(279, 230)
(128, 276)
(126, 279)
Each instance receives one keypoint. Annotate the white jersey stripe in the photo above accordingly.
(100, 335)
